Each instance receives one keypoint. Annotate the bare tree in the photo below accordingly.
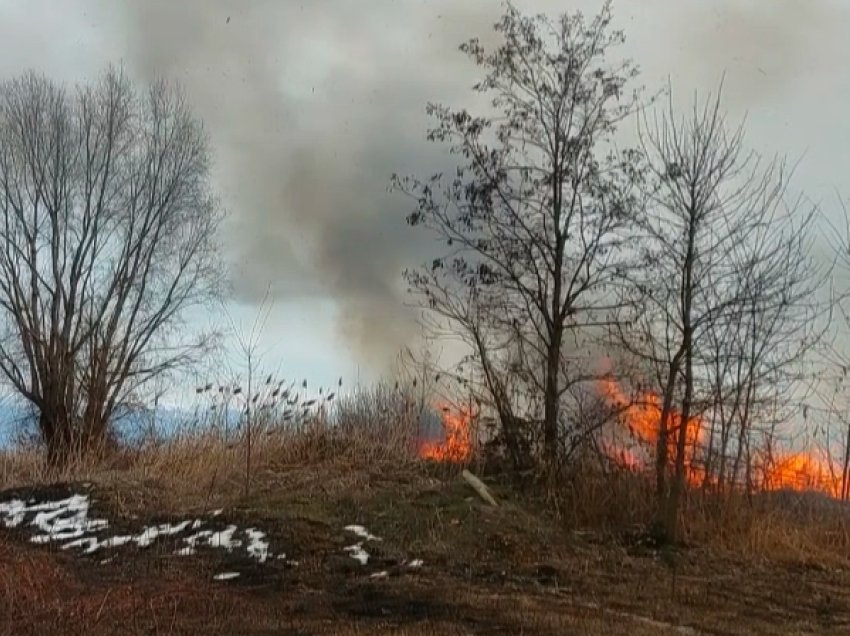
(832, 390)
(533, 216)
(107, 229)
(727, 289)
(248, 345)
(756, 358)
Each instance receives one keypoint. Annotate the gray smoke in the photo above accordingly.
(311, 106)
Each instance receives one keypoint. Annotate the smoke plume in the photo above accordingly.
(312, 106)
(310, 109)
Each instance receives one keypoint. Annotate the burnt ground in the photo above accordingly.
(508, 570)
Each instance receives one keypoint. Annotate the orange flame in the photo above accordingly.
(802, 471)
(641, 419)
(457, 446)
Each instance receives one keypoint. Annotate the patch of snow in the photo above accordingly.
(362, 532)
(290, 562)
(13, 512)
(74, 502)
(258, 547)
(217, 512)
(192, 541)
(57, 520)
(114, 542)
(89, 543)
(66, 518)
(224, 539)
(67, 521)
(151, 534)
(358, 553)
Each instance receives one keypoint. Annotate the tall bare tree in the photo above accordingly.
(727, 287)
(831, 403)
(107, 236)
(757, 359)
(533, 217)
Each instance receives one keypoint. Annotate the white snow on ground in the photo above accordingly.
(258, 546)
(192, 541)
(13, 512)
(362, 532)
(358, 553)
(151, 534)
(67, 522)
(58, 520)
(224, 539)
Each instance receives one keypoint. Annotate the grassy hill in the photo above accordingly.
(167, 539)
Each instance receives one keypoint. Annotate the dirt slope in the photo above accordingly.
(439, 561)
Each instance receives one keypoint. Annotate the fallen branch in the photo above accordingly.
(479, 487)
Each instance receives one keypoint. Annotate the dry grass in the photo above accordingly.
(376, 432)
(745, 554)
(795, 527)
(42, 595)
(199, 466)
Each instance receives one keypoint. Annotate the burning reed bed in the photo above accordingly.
(321, 487)
(791, 526)
(378, 433)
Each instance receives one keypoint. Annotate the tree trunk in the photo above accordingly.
(57, 435)
(708, 471)
(670, 508)
(513, 438)
(677, 488)
(68, 440)
(662, 446)
(551, 404)
(845, 470)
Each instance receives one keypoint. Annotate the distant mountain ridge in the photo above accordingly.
(17, 421)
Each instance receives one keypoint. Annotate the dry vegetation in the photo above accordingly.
(571, 557)
(680, 266)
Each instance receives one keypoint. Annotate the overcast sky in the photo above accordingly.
(311, 106)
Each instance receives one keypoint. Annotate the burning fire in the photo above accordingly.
(802, 471)
(457, 446)
(642, 418)
(633, 447)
